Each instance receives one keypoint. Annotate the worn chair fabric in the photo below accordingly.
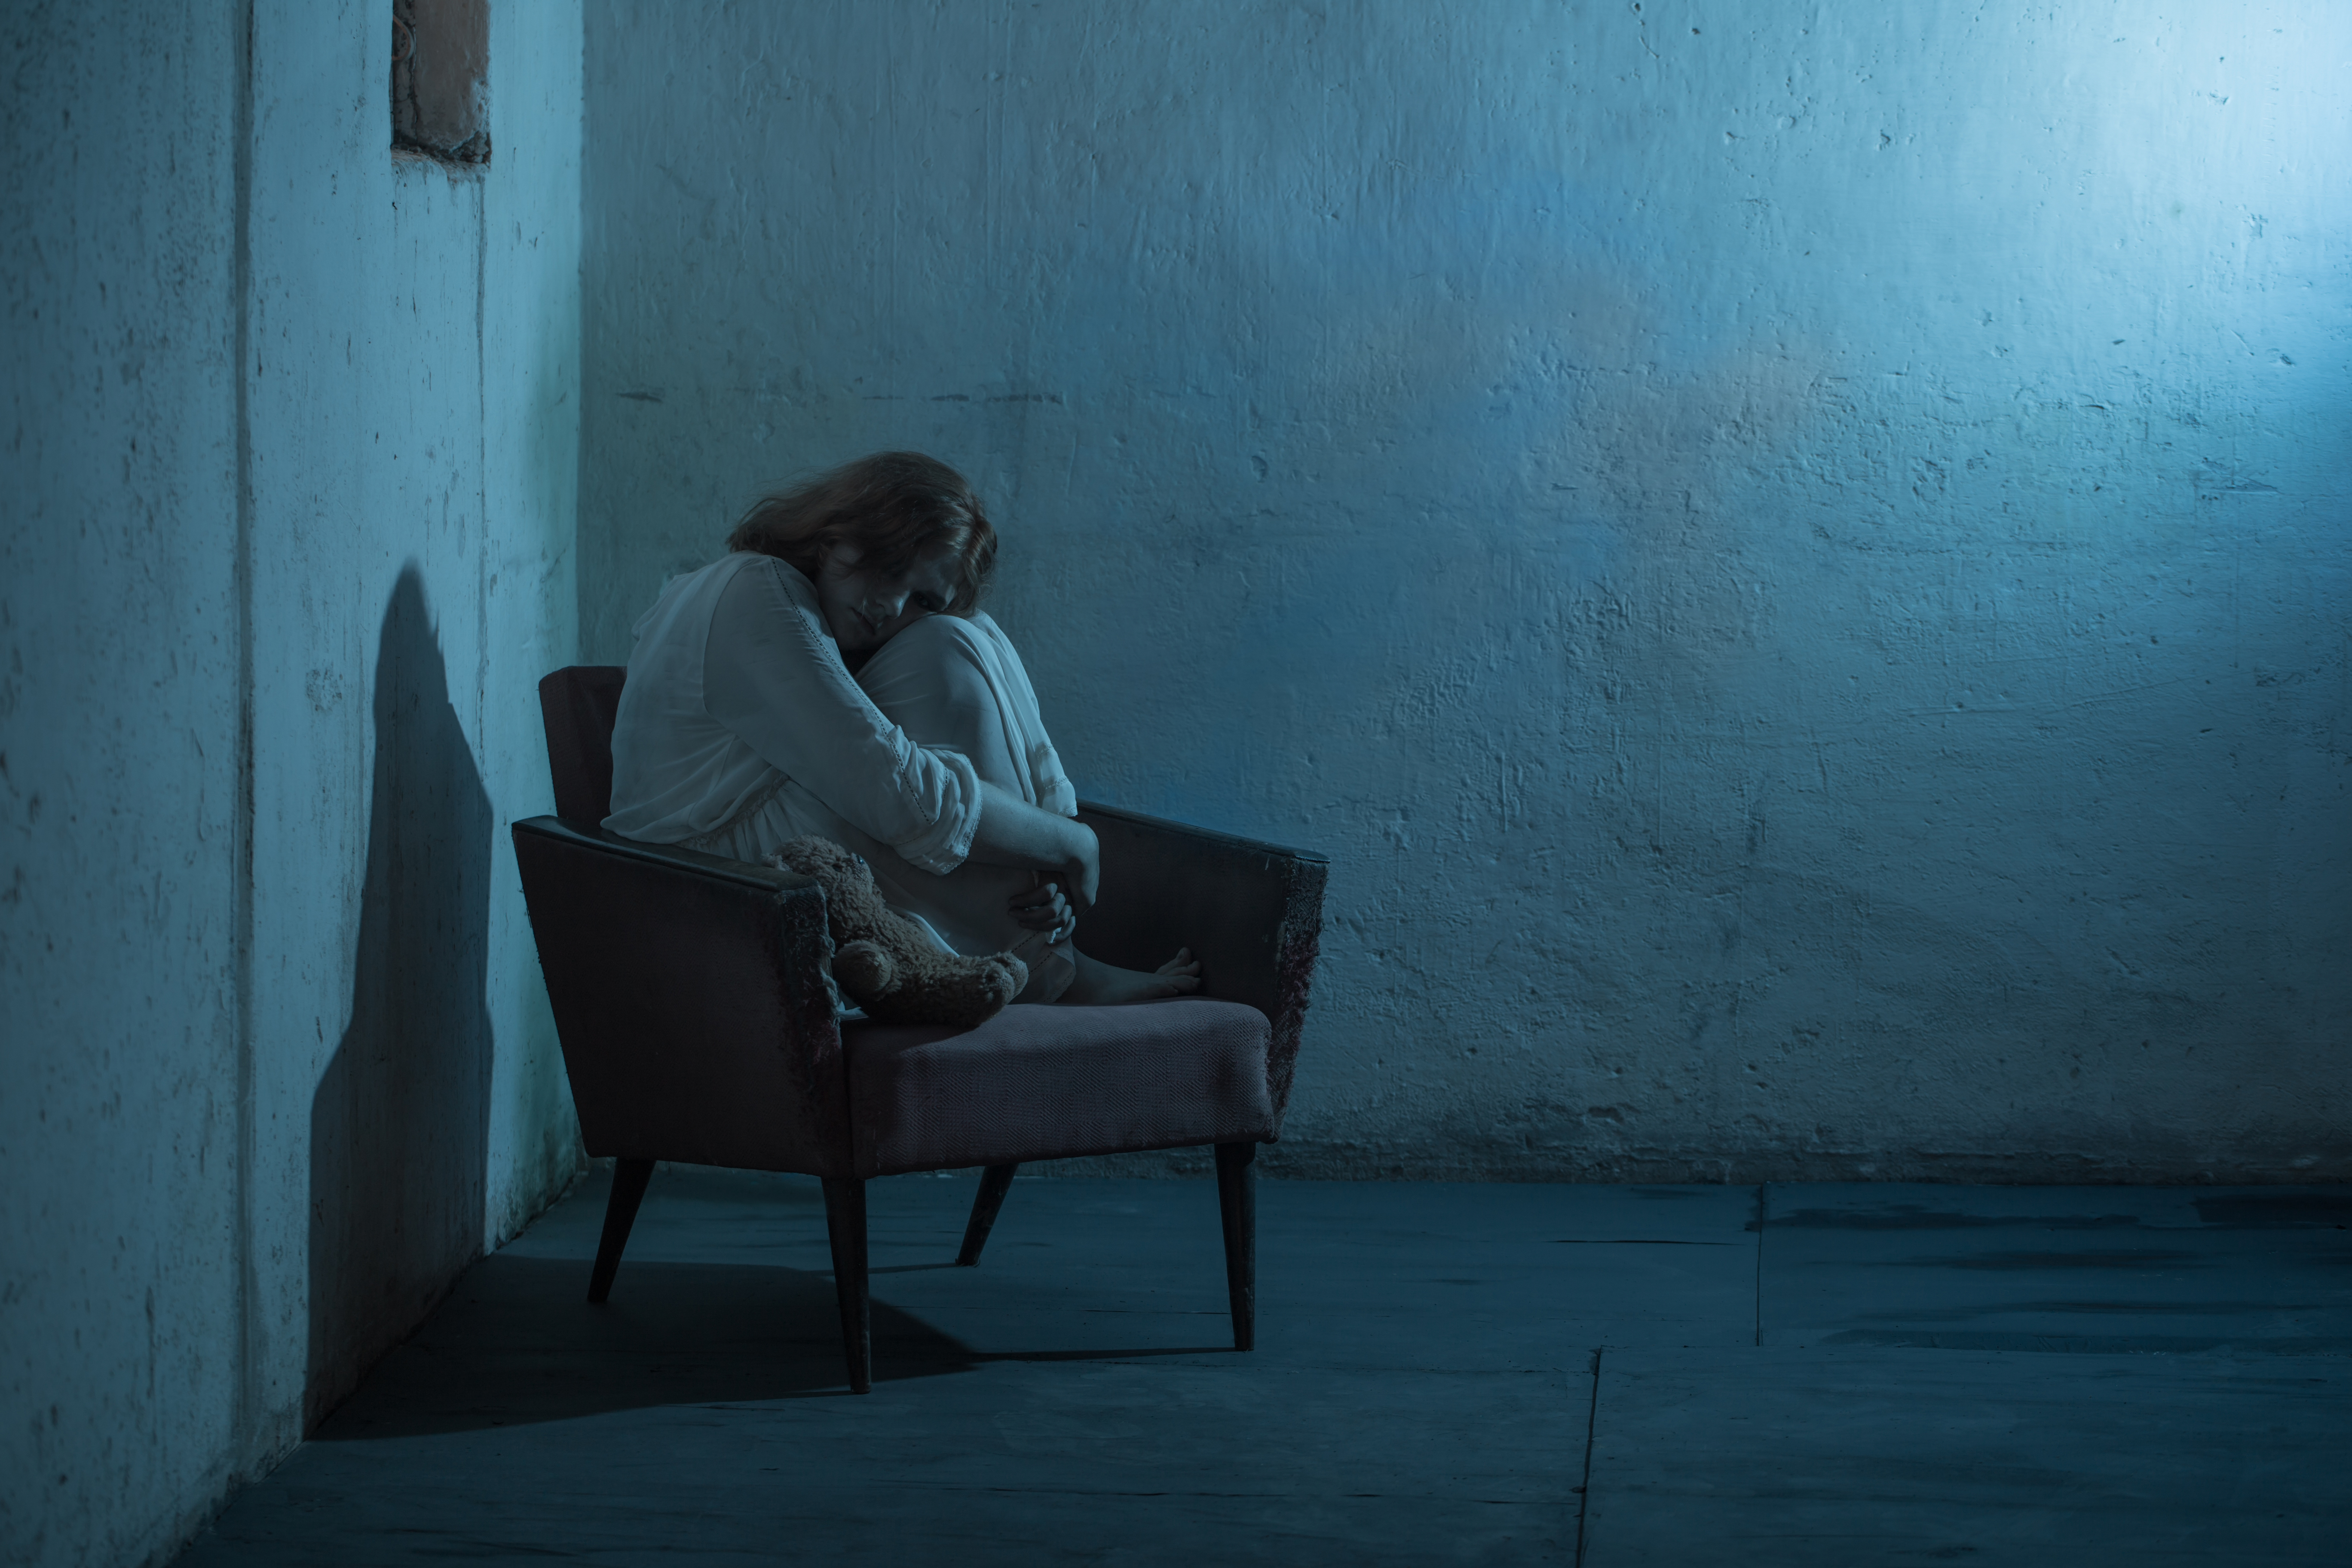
(698, 1026)
(1042, 1083)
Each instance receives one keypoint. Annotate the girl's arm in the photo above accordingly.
(1012, 832)
(773, 676)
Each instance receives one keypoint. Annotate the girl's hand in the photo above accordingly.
(1043, 908)
(1012, 832)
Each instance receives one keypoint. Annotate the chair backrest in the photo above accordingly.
(578, 705)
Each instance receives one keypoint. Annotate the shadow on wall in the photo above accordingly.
(400, 1126)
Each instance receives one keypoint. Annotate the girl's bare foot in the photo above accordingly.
(1103, 985)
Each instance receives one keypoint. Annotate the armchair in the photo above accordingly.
(698, 1026)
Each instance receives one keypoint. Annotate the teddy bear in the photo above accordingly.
(884, 962)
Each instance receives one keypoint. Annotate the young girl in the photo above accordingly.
(833, 675)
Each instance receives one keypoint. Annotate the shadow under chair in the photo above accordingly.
(692, 998)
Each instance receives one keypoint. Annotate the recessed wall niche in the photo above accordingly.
(440, 79)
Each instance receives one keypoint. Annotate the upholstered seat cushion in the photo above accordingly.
(1043, 1083)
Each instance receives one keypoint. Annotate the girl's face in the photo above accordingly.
(866, 607)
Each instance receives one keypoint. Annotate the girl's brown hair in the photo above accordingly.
(889, 507)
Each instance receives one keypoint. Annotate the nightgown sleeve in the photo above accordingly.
(772, 674)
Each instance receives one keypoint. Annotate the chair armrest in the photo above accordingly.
(691, 999)
(1252, 913)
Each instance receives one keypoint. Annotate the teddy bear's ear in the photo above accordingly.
(805, 856)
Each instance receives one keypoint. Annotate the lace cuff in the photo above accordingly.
(942, 846)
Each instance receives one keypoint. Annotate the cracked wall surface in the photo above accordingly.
(1793, 557)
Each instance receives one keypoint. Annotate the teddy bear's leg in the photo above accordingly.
(864, 971)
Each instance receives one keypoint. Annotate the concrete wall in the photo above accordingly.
(293, 449)
(1793, 556)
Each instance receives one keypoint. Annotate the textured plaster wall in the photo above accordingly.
(1793, 556)
(292, 445)
(119, 779)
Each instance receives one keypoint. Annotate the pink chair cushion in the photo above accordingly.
(1047, 1083)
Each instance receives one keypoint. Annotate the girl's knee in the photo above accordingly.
(931, 682)
(932, 646)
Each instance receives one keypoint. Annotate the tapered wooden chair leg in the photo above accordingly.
(844, 1221)
(1237, 1202)
(994, 1182)
(629, 1179)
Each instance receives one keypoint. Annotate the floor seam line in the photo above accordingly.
(1592, 1430)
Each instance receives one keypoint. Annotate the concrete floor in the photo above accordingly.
(1446, 1374)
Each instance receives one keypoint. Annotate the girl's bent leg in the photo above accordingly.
(937, 681)
(956, 686)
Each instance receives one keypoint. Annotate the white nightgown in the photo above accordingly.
(740, 728)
